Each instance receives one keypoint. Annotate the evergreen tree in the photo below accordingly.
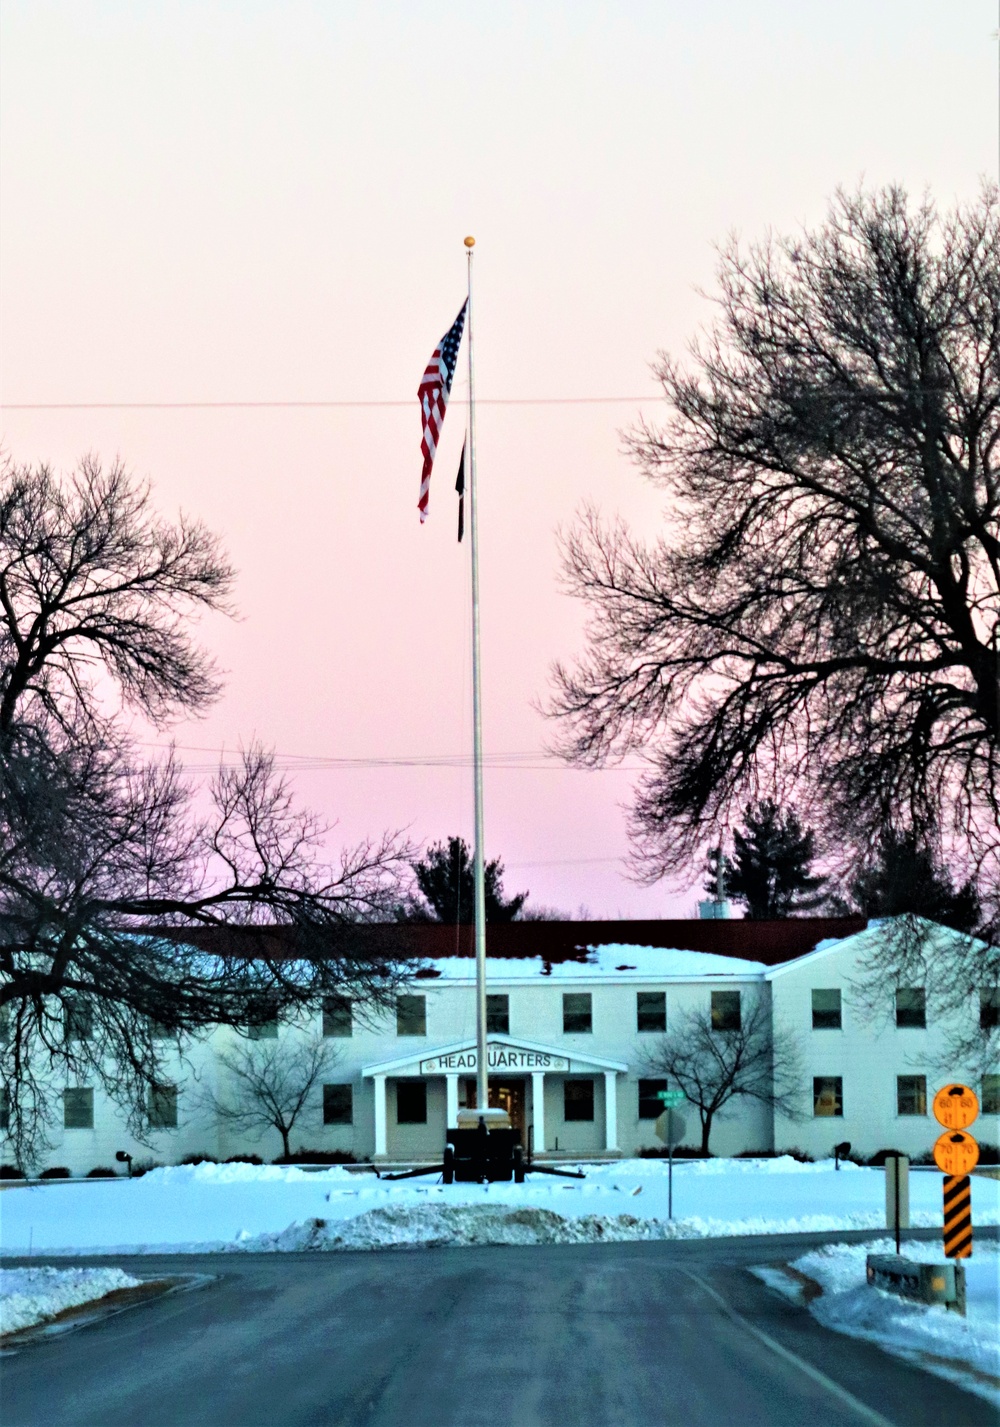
(445, 879)
(718, 871)
(772, 858)
(906, 876)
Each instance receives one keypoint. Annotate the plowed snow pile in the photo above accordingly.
(34, 1295)
(211, 1208)
(965, 1350)
(430, 1226)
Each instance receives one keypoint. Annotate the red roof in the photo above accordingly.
(771, 942)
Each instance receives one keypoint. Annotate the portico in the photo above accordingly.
(509, 1063)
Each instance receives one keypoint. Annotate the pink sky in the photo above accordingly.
(266, 202)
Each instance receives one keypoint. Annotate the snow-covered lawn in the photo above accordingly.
(34, 1295)
(219, 1208)
(966, 1350)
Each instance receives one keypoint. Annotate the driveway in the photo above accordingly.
(593, 1335)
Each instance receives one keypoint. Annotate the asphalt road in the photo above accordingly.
(597, 1335)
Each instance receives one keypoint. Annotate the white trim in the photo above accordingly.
(401, 1064)
(381, 1137)
(538, 1112)
(610, 1110)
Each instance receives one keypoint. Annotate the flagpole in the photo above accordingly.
(479, 870)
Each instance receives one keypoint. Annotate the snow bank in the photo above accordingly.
(617, 960)
(214, 1208)
(34, 1295)
(965, 1350)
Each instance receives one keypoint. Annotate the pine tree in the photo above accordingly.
(772, 858)
(906, 875)
(445, 879)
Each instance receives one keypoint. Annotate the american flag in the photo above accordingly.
(435, 386)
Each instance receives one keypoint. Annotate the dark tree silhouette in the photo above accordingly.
(772, 858)
(269, 1083)
(906, 875)
(444, 876)
(819, 624)
(718, 870)
(97, 606)
(714, 1065)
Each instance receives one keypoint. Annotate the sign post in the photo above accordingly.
(956, 1153)
(897, 1192)
(670, 1127)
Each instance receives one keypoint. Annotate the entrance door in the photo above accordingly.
(509, 1095)
(506, 1093)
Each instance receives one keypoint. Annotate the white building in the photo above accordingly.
(570, 1045)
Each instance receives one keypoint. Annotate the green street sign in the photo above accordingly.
(671, 1097)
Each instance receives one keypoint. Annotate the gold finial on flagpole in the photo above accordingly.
(470, 242)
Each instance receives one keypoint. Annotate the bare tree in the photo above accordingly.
(959, 976)
(271, 1082)
(716, 1063)
(98, 842)
(820, 623)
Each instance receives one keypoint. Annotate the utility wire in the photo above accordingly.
(312, 405)
(530, 761)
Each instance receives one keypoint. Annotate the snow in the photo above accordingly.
(34, 1295)
(616, 959)
(248, 1208)
(965, 1350)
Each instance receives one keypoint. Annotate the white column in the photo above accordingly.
(538, 1112)
(451, 1094)
(611, 1109)
(381, 1142)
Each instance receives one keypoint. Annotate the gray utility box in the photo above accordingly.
(924, 1282)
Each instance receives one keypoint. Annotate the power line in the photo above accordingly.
(312, 405)
(531, 761)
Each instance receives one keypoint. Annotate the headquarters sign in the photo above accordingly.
(498, 1058)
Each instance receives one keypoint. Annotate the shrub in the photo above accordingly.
(141, 1167)
(878, 1159)
(989, 1154)
(680, 1152)
(102, 1171)
(243, 1159)
(58, 1171)
(316, 1157)
(801, 1156)
(11, 1171)
(198, 1159)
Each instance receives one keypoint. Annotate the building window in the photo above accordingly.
(826, 1010)
(578, 1099)
(411, 1102)
(989, 1008)
(651, 1010)
(911, 1094)
(726, 1011)
(162, 1107)
(578, 1016)
(411, 1015)
(498, 1015)
(78, 1019)
(911, 1007)
(78, 1109)
(338, 1105)
(338, 1016)
(650, 1107)
(263, 1030)
(828, 1096)
(990, 1103)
